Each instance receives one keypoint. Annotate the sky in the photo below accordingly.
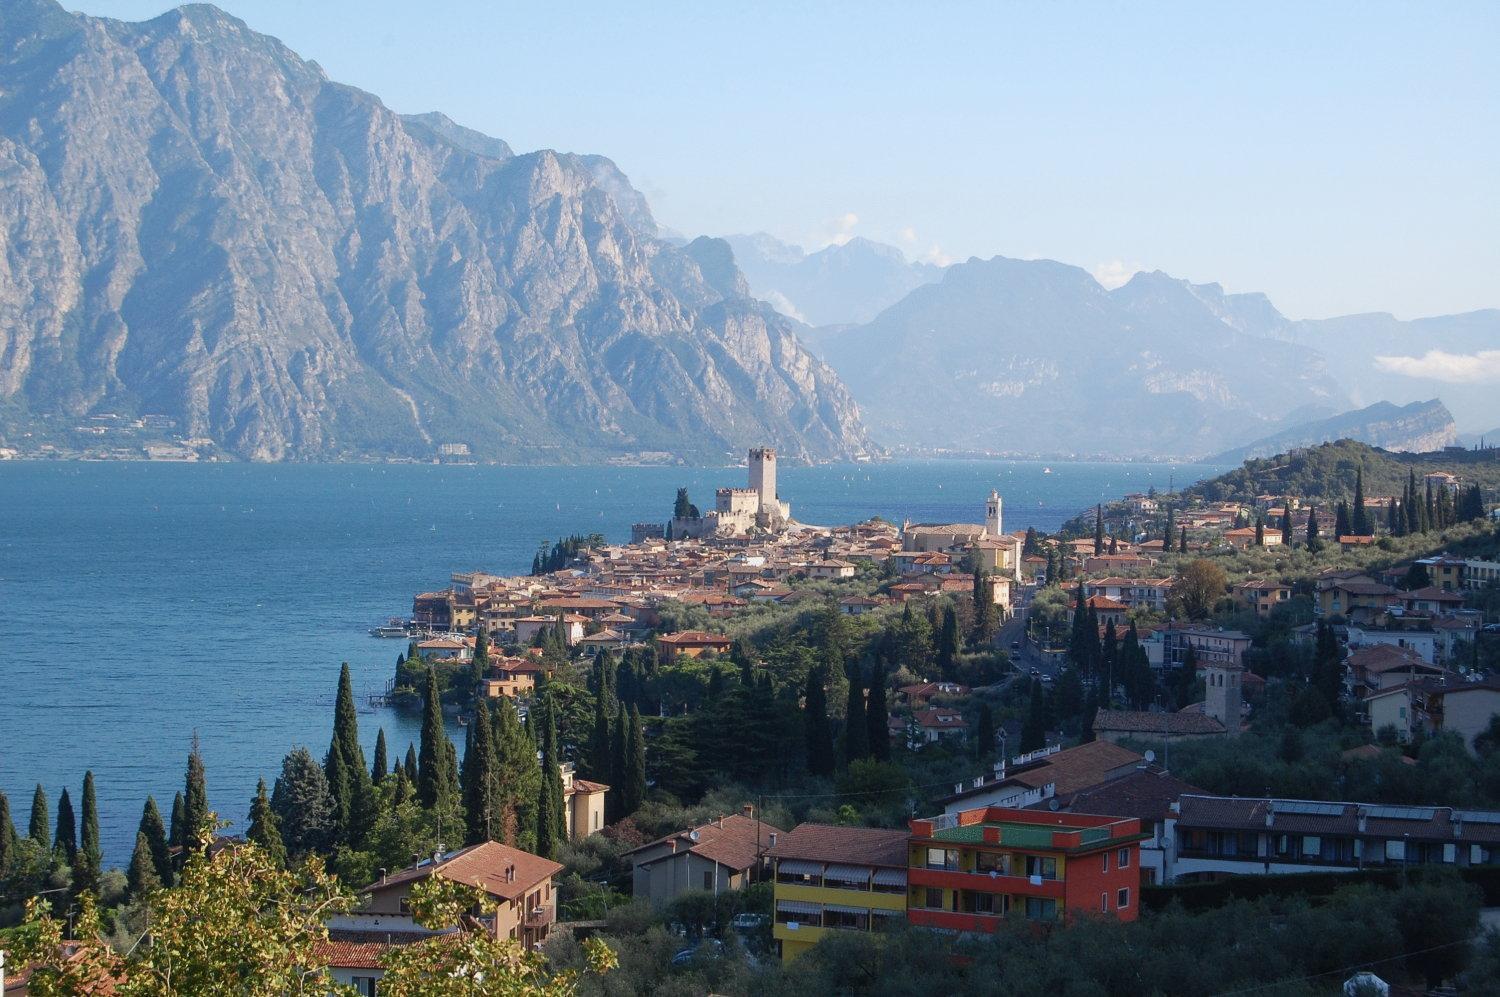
(1340, 157)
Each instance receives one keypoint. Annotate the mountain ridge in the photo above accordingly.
(281, 264)
(1420, 427)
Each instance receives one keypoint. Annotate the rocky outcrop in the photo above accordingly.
(1421, 427)
(199, 224)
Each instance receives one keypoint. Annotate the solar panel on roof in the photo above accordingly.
(1403, 813)
(1477, 816)
(1311, 809)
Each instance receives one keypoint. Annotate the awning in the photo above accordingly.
(841, 909)
(848, 873)
(797, 867)
(797, 907)
(890, 877)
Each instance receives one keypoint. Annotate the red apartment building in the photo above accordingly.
(968, 870)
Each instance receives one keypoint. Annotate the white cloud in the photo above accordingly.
(935, 255)
(1454, 368)
(784, 305)
(839, 230)
(1115, 273)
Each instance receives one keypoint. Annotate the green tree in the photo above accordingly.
(435, 784)
(516, 774)
(195, 793)
(1199, 586)
(986, 617)
(985, 739)
(381, 765)
(1417, 577)
(856, 728)
(349, 780)
(141, 875)
(1341, 524)
(551, 831)
(9, 842)
(480, 784)
(1286, 526)
(89, 861)
(819, 733)
(1313, 543)
(1359, 520)
(614, 803)
(635, 768)
(1099, 529)
(303, 804)
(179, 827)
(264, 829)
(65, 841)
(410, 763)
(877, 714)
(40, 829)
(600, 745)
(682, 508)
(1034, 728)
(947, 643)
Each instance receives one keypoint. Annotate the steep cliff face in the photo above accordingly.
(1421, 427)
(197, 223)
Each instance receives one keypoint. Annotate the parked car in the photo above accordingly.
(747, 921)
(711, 948)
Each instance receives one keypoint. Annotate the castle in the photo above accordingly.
(741, 510)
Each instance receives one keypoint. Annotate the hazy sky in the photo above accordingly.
(1340, 157)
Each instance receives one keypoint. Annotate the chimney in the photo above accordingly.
(773, 839)
(415, 859)
(382, 875)
(1270, 812)
(721, 820)
(747, 810)
(1363, 816)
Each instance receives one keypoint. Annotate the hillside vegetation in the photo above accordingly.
(1327, 472)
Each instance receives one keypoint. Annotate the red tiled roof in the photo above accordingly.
(483, 866)
(734, 841)
(844, 845)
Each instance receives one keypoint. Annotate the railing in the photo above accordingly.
(540, 917)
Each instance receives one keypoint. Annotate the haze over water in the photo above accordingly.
(141, 602)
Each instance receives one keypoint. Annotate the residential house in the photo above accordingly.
(570, 625)
(835, 878)
(1209, 645)
(583, 803)
(1047, 774)
(1413, 635)
(1215, 836)
(1261, 595)
(446, 648)
(1152, 726)
(936, 723)
(1446, 572)
(1359, 597)
(830, 570)
(521, 897)
(969, 870)
(1145, 792)
(1383, 666)
(722, 855)
(511, 677)
(692, 644)
(858, 605)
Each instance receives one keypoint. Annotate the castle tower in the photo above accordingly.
(1221, 694)
(763, 476)
(993, 524)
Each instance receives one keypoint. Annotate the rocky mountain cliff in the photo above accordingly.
(1420, 427)
(199, 225)
(1035, 357)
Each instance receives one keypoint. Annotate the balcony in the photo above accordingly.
(983, 882)
(540, 917)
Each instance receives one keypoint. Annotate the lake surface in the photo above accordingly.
(142, 602)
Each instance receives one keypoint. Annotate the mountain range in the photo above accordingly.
(201, 227)
(1416, 428)
(841, 283)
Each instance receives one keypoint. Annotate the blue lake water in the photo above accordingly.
(142, 602)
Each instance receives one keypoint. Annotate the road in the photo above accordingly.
(1028, 657)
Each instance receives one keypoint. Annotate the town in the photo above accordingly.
(739, 745)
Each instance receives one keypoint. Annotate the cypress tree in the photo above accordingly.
(985, 616)
(380, 766)
(1260, 531)
(156, 836)
(179, 833)
(8, 840)
(303, 805)
(1313, 543)
(598, 766)
(985, 742)
(433, 783)
(635, 769)
(1341, 525)
(141, 876)
(195, 796)
(551, 828)
(1034, 729)
(819, 733)
(947, 643)
(877, 715)
(1359, 520)
(856, 729)
(337, 776)
(353, 788)
(516, 775)
(65, 841)
(478, 776)
(1099, 528)
(1393, 518)
(1286, 526)
(1051, 566)
(410, 764)
(265, 830)
(619, 764)
(1182, 543)
(1171, 530)
(89, 862)
(40, 829)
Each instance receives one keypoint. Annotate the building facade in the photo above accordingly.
(834, 878)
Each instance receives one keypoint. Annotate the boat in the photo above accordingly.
(394, 628)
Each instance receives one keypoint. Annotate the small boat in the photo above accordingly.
(394, 633)
(1046, 470)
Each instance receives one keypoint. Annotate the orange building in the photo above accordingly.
(969, 870)
(692, 644)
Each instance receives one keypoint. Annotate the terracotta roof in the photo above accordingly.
(337, 954)
(1395, 822)
(1145, 793)
(734, 841)
(1074, 769)
(1146, 722)
(844, 845)
(694, 637)
(484, 866)
(589, 786)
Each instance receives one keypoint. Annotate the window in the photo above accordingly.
(1105, 866)
(708, 880)
(1103, 902)
(984, 903)
(836, 918)
(996, 862)
(1038, 865)
(1122, 899)
(938, 858)
(1038, 909)
(933, 899)
(1122, 859)
(364, 986)
(404, 905)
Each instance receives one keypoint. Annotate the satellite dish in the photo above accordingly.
(692, 835)
(1150, 757)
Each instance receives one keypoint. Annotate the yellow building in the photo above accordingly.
(831, 878)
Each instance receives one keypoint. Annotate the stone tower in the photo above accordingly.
(993, 524)
(1221, 694)
(763, 476)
